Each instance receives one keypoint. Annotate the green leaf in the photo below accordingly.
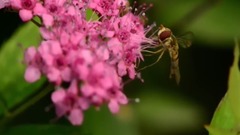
(234, 85)
(223, 119)
(91, 15)
(164, 111)
(102, 122)
(219, 24)
(13, 88)
(215, 131)
(43, 130)
(226, 118)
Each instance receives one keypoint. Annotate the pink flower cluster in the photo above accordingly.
(4, 3)
(89, 56)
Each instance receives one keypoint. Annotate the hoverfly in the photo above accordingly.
(166, 41)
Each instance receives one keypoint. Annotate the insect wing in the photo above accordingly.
(185, 40)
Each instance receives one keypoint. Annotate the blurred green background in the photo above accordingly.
(165, 108)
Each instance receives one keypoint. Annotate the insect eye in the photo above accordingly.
(164, 35)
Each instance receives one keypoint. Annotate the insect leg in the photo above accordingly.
(152, 52)
(160, 56)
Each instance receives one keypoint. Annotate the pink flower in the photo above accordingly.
(39, 9)
(4, 3)
(56, 67)
(69, 103)
(116, 98)
(34, 63)
(76, 117)
(25, 8)
(124, 36)
(90, 56)
(47, 20)
(107, 7)
(32, 74)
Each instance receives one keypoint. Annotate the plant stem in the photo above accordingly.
(7, 118)
(36, 23)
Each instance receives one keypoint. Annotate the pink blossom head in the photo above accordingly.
(107, 7)
(23, 4)
(86, 59)
(4, 3)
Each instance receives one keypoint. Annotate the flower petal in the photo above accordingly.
(76, 117)
(58, 96)
(113, 106)
(47, 20)
(32, 74)
(25, 15)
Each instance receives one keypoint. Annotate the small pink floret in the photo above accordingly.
(32, 74)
